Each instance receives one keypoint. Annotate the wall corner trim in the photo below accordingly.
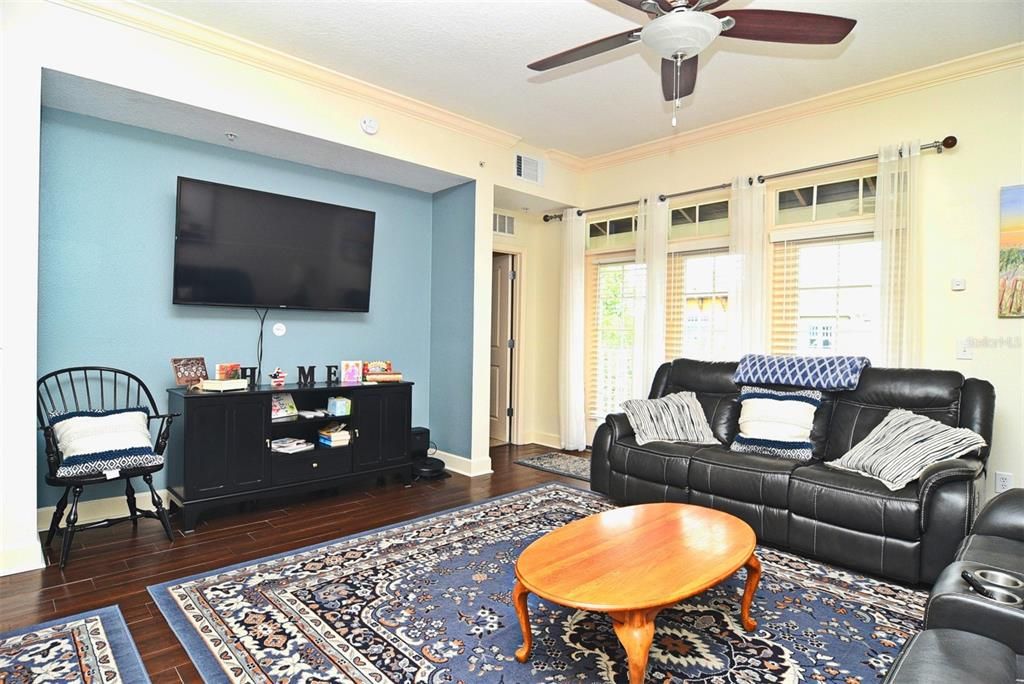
(465, 466)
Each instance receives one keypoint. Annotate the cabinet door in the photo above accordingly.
(397, 423)
(206, 448)
(247, 434)
(368, 415)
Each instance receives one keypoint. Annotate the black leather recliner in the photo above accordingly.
(967, 637)
(908, 535)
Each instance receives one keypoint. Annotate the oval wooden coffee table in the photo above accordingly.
(631, 563)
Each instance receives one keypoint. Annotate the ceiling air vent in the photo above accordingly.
(529, 169)
(505, 225)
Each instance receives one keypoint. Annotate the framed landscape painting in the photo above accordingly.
(1011, 252)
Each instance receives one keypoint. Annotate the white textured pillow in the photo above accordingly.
(675, 417)
(96, 442)
(898, 450)
(777, 422)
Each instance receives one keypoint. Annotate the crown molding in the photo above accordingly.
(566, 160)
(192, 34)
(1006, 57)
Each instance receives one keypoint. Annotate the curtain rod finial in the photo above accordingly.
(662, 198)
(579, 212)
(949, 142)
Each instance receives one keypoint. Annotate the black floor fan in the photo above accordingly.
(424, 466)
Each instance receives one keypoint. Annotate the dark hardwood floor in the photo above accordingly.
(115, 565)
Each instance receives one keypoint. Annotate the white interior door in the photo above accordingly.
(501, 352)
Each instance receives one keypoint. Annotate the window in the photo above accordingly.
(826, 201)
(616, 294)
(825, 296)
(612, 233)
(699, 220)
(697, 322)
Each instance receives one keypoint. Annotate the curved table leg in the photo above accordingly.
(519, 596)
(635, 629)
(753, 566)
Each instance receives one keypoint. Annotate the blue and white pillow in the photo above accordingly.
(103, 442)
(777, 423)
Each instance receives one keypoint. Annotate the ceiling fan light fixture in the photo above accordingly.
(681, 33)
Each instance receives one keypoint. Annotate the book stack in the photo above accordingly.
(335, 435)
(291, 445)
(380, 371)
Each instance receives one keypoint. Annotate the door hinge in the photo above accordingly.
(511, 275)
(509, 412)
(511, 344)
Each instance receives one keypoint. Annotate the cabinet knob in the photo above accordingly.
(268, 443)
(316, 465)
(356, 431)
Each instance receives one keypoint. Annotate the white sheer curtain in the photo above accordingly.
(651, 250)
(572, 413)
(896, 217)
(747, 246)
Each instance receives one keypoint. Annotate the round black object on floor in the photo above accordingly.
(428, 468)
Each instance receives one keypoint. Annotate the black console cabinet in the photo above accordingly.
(219, 451)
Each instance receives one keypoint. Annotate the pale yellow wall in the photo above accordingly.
(539, 283)
(960, 209)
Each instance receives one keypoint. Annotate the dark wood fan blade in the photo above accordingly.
(687, 77)
(583, 51)
(781, 26)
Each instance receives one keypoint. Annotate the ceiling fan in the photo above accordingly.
(679, 30)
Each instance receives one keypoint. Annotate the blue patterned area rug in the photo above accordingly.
(429, 601)
(576, 467)
(89, 647)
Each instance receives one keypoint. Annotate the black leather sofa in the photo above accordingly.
(967, 637)
(908, 535)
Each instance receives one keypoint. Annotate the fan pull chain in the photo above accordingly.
(675, 89)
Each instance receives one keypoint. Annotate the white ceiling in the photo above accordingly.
(104, 101)
(470, 56)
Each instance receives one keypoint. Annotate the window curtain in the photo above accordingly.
(649, 323)
(747, 245)
(896, 217)
(572, 415)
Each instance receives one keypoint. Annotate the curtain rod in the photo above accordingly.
(947, 143)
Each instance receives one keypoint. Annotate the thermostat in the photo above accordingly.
(279, 329)
(369, 125)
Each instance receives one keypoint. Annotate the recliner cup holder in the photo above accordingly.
(999, 579)
(1001, 596)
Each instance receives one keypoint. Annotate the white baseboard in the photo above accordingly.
(101, 509)
(464, 466)
(548, 439)
(22, 558)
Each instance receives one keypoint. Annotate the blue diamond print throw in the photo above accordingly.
(828, 373)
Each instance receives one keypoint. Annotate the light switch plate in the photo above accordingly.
(958, 284)
(964, 352)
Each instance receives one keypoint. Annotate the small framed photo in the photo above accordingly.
(351, 372)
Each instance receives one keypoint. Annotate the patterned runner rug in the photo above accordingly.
(94, 646)
(577, 467)
(430, 601)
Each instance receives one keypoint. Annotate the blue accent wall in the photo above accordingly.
(451, 330)
(107, 207)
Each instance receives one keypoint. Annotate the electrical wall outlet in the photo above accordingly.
(963, 349)
(1003, 482)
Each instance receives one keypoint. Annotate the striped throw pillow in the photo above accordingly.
(898, 450)
(672, 418)
(776, 423)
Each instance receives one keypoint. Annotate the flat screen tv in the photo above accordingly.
(239, 247)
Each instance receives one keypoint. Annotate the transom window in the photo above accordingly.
(826, 201)
(700, 220)
(612, 233)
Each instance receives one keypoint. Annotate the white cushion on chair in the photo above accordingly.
(95, 442)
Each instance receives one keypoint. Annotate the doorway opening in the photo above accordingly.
(504, 303)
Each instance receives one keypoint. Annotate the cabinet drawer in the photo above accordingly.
(311, 465)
